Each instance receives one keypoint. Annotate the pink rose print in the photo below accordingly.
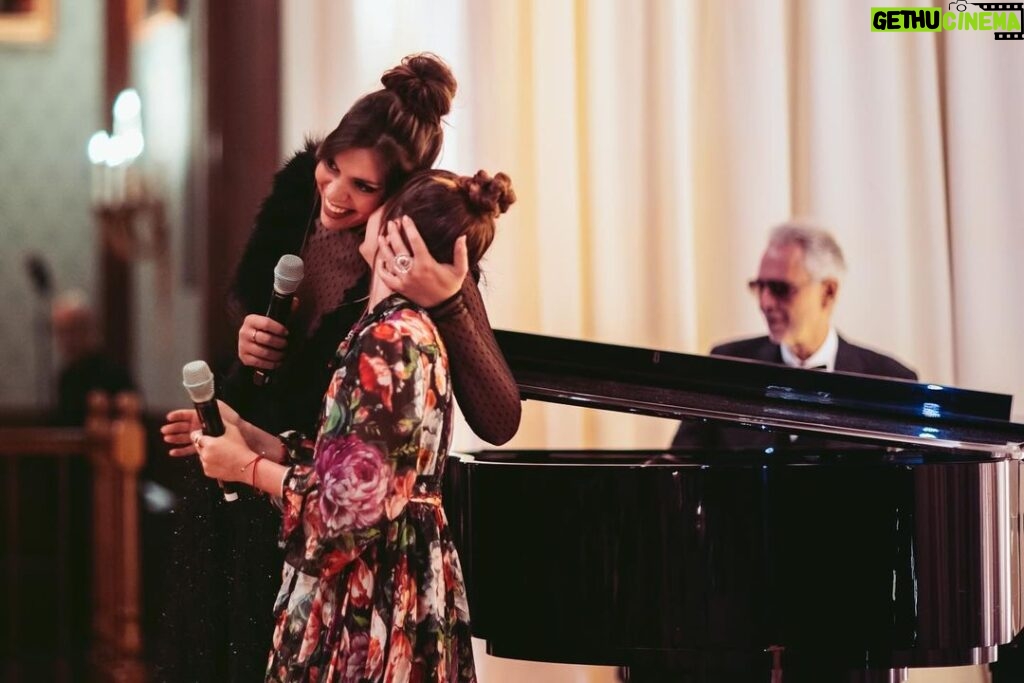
(354, 482)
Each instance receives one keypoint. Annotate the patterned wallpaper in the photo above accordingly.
(50, 103)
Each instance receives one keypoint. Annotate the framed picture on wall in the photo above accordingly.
(26, 21)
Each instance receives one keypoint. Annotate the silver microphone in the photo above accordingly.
(198, 381)
(287, 276)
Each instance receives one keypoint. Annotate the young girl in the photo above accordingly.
(372, 586)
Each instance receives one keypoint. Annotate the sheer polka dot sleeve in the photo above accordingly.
(483, 382)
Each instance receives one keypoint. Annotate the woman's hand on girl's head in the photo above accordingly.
(427, 283)
(181, 423)
(262, 341)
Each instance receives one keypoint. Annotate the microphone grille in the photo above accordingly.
(288, 274)
(198, 381)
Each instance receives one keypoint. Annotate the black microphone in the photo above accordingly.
(287, 276)
(198, 381)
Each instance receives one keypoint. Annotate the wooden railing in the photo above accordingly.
(42, 470)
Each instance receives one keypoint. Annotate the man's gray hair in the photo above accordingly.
(823, 258)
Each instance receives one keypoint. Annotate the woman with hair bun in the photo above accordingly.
(372, 586)
(320, 203)
(226, 561)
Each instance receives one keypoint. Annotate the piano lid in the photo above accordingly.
(759, 395)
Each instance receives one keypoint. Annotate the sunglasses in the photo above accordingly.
(780, 289)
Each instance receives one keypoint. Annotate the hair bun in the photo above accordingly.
(488, 195)
(424, 84)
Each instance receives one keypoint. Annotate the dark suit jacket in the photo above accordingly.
(849, 358)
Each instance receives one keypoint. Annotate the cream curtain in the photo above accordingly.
(653, 144)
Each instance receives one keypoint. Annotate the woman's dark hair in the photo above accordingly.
(401, 122)
(444, 206)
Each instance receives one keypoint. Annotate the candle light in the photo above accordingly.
(115, 180)
(97, 150)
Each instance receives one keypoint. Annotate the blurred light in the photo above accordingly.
(118, 150)
(931, 410)
(127, 106)
(133, 144)
(935, 387)
(116, 182)
(156, 498)
(99, 146)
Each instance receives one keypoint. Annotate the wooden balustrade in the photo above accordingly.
(112, 443)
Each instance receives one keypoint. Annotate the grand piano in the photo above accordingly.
(879, 532)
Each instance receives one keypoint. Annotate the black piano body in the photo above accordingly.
(885, 537)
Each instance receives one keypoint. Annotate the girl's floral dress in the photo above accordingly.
(372, 587)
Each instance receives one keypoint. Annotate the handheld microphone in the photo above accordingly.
(198, 381)
(287, 276)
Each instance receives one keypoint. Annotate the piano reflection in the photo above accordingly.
(887, 540)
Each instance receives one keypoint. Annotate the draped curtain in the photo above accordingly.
(653, 144)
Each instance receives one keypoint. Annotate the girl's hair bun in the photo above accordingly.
(424, 84)
(488, 195)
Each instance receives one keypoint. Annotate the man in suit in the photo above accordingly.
(796, 288)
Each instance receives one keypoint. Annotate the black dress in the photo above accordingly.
(225, 571)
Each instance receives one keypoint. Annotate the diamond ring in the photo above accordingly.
(403, 263)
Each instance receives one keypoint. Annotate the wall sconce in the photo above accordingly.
(125, 198)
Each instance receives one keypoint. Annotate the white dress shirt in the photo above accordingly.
(825, 355)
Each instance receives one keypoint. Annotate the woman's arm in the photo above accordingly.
(483, 382)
